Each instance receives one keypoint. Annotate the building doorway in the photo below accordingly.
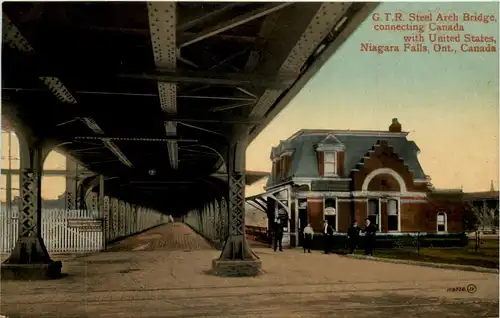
(302, 219)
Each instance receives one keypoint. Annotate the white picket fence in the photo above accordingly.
(72, 231)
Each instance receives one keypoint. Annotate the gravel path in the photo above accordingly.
(172, 236)
(171, 281)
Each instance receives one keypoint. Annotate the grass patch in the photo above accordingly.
(486, 256)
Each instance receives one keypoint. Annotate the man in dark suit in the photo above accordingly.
(369, 230)
(278, 235)
(327, 237)
(353, 236)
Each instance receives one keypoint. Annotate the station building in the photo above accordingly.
(343, 175)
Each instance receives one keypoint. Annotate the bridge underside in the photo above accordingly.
(161, 98)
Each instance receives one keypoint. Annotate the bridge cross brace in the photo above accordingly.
(236, 259)
(29, 259)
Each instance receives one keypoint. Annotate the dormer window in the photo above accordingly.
(330, 163)
(283, 169)
(330, 156)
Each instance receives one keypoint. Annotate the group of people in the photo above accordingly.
(353, 234)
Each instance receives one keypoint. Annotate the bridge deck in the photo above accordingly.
(171, 282)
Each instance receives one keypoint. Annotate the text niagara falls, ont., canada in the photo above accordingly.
(433, 32)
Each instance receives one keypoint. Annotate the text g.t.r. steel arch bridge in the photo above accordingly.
(169, 94)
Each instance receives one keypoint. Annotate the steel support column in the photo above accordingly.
(133, 216)
(114, 219)
(224, 222)
(128, 213)
(121, 219)
(200, 220)
(106, 214)
(203, 216)
(71, 185)
(236, 258)
(101, 198)
(217, 225)
(92, 203)
(139, 218)
(201, 226)
(207, 220)
(211, 220)
(30, 259)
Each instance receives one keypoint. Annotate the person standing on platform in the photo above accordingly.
(353, 236)
(308, 237)
(327, 236)
(369, 230)
(278, 235)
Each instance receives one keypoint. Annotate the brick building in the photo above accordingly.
(341, 175)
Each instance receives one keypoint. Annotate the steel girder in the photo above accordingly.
(323, 21)
(280, 50)
(15, 39)
(342, 19)
(162, 25)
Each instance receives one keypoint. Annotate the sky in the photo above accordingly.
(448, 103)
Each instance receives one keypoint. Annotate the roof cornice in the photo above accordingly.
(367, 133)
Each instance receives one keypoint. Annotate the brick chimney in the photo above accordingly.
(395, 126)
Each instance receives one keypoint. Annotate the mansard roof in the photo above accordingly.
(356, 142)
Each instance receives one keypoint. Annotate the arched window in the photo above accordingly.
(442, 226)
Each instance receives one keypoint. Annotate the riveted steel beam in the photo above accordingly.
(283, 81)
(224, 37)
(12, 37)
(162, 26)
(15, 39)
(322, 20)
(235, 98)
(216, 119)
(92, 125)
(231, 106)
(192, 22)
(201, 129)
(141, 139)
(51, 172)
(227, 25)
(343, 28)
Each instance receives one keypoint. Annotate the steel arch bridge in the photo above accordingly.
(169, 94)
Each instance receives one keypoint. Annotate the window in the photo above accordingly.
(278, 169)
(392, 216)
(282, 167)
(302, 208)
(330, 210)
(374, 211)
(441, 222)
(330, 164)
